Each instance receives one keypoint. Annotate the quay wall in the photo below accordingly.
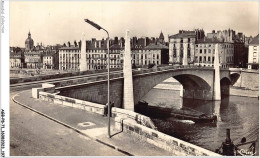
(248, 80)
(159, 139)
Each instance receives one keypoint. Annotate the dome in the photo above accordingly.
(29, 42)
(29, 39)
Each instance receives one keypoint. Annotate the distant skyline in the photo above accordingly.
(58, 22)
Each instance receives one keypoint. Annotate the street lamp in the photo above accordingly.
(108, 71)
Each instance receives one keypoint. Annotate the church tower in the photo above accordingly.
(161, 38)
(29, 42)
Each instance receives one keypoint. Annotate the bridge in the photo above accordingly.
(128, 87)
(197, 82)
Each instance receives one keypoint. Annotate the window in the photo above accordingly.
(197, 45)
(208, 58)
(205, 59)
(188, 39)
(205, 51)
(255, 47)
(200, 59)
(200, 50)
(254, 60)
(255, 54)
(174, 52)
(209, 50)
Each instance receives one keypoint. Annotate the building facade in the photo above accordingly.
(182, 46)
(142, 53)
(33, 59)
(16, 58)
(154, 53)
(49, 59)
(253, 54)
(33, 54)
(69, 58)
(205, 52)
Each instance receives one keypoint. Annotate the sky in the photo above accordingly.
(57, 22)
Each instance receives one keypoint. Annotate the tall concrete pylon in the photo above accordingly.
(217, 90)
(83, 58)
(128, 98)
(185, 58)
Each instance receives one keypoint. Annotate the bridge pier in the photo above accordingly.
(225, 90)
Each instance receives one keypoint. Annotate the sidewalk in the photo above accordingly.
(91, 125)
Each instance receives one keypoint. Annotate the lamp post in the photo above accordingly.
(108, 71)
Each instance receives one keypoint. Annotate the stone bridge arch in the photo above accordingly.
(234, 76)
(197, 83)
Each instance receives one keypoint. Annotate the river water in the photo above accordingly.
(239, 114)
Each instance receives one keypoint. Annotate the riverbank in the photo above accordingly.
(234, 91)
(242, 92)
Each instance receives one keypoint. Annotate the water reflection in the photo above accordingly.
(217, 109)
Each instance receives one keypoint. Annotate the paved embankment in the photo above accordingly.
(34, 135)
(244, 92)
(90, 125)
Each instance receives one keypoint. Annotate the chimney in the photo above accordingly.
(228, 135)
(75, 44)
(68, 44)
(213, 31)
(116, 40)
(79, 44)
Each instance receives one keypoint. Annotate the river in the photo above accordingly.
(240, 114)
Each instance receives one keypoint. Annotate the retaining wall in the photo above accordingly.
(161, 140)
(248, 80)
(140, 119)
(71, 102)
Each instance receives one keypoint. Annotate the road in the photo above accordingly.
(34, 135)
